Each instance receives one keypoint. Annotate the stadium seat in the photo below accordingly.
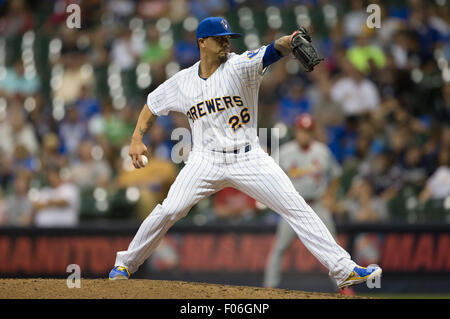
(120, 207)
(117, 206)
(13, 49)
(88, 207)
(433, 211)
(397, 209)
(289, 20)
(101, 81)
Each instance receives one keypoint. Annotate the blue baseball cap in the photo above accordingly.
(215, 27)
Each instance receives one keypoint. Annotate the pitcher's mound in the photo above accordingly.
(144, 289)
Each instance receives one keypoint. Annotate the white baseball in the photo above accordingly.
(144, 159)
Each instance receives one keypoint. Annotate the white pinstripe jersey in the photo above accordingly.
(223, 109)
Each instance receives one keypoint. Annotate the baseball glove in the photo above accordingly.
(304, 51)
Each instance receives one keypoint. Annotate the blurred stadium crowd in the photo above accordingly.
(69, 100)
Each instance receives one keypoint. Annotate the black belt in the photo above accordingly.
(236, 150)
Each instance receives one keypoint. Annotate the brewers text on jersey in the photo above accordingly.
(213, 105)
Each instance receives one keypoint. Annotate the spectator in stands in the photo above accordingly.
(186, 51)
(98, 130)
(426, 33)
(57, 17)
(342, 139)
(91, 170)
(125, 50)
(414, 170)
(121, 10)
(15, 130)
(155, 53)
(293, 103)
(354, 19)
(16, 82)
(356, 94)
(403, 48)
(438, 185)
(58, 204)
(113, 127)
(400, 118)
(18, 19)
(366, 56)
(204, 8)
(393, 19)
(362, 150)
(363, 205)
(398, 139)
(393, 82)
(431, 148)
(71, 45)
(51, 154)
(152, 9)
(18, 206)
(87, 104)
(325, 110)
(23, 160)
(384, 177)
(438, 19)
(161, 146)
(76, 75)
(72, 131)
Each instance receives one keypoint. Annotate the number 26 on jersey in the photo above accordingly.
(236, 121)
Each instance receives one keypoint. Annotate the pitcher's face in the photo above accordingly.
(219, 46)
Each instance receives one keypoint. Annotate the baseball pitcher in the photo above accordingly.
(219, 96)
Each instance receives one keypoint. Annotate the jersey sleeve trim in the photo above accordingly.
(271, 55)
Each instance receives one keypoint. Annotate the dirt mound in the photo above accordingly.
(143, 289)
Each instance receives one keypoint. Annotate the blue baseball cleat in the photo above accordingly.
(360, 275)
(119, 273)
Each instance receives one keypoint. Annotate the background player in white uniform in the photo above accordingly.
(314, 172)
(219, 95)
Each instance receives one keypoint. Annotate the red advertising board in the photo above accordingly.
(25, 252)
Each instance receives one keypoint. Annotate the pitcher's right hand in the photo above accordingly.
(137, 148)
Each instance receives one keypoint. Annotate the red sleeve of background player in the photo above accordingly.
(221, 196)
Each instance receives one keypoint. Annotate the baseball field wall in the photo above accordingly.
(414, 258)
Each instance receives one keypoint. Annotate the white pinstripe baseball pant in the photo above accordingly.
(285, 235)
(254, 173)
